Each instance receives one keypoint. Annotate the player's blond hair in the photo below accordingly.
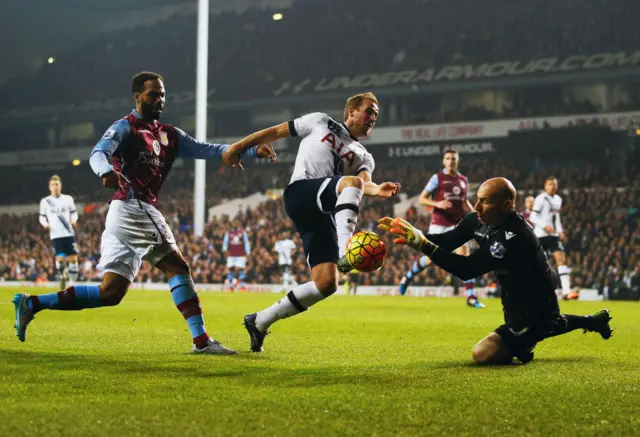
(356, 100)
(55, 177)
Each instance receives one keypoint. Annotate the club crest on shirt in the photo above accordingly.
(164, 139)
(156, 147)
(497, 250)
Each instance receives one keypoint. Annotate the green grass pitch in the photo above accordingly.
(361, 366)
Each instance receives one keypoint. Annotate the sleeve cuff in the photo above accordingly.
(253, 151)
(292, 129)
(429, 249)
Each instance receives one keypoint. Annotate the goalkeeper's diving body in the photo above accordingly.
(509, 248)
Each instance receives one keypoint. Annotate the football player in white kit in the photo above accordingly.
(545, 217)
(58, 215)
(284, 247)
(331, 174)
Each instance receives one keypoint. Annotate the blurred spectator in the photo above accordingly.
(603, 245)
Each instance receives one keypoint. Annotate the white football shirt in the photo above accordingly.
(284, 248)
(58, 213)
(327, 149)
(546, 211)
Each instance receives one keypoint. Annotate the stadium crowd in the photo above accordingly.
(601, 224)
(527, 169)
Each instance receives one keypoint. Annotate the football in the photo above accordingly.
(366, 251)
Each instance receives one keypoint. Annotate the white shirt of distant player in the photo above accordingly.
(58, 213)
(327, 149)
(284, 248)
(546, 211)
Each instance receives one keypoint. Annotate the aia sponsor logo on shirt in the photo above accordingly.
(330, 139)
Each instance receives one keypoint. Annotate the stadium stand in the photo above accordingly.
(243, 65)
(603, 234)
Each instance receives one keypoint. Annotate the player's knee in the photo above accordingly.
(481, 355)
(358, 182)
(112, 295)
(353, 181)
(113, 289)
(327, 285)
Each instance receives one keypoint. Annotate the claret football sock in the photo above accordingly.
(73, 298)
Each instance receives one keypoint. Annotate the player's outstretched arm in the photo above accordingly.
(449, 240)
(189, 147)
(384, 190)
(262, 139)
(464, 267)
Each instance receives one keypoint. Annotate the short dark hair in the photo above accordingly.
(137, 84)
(450, 151)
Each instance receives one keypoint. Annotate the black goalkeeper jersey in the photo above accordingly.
(513, 252)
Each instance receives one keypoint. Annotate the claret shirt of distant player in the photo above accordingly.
(327, 149)
(445, 186)
(236, 242)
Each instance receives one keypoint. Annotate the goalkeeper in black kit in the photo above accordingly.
(509, 248)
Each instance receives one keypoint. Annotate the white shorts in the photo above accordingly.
(439, 229)
(237, 261)
(130, 237)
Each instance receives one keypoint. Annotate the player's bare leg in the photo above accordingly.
(491, 350)
(186, 299)
(109, 293)
(565, 275)
(324, 282)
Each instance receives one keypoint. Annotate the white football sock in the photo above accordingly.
(286, 277)
(565, 279)
(73, 271)
(346, 213)
(296, 301)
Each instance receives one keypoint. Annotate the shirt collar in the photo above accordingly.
(349, 132)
